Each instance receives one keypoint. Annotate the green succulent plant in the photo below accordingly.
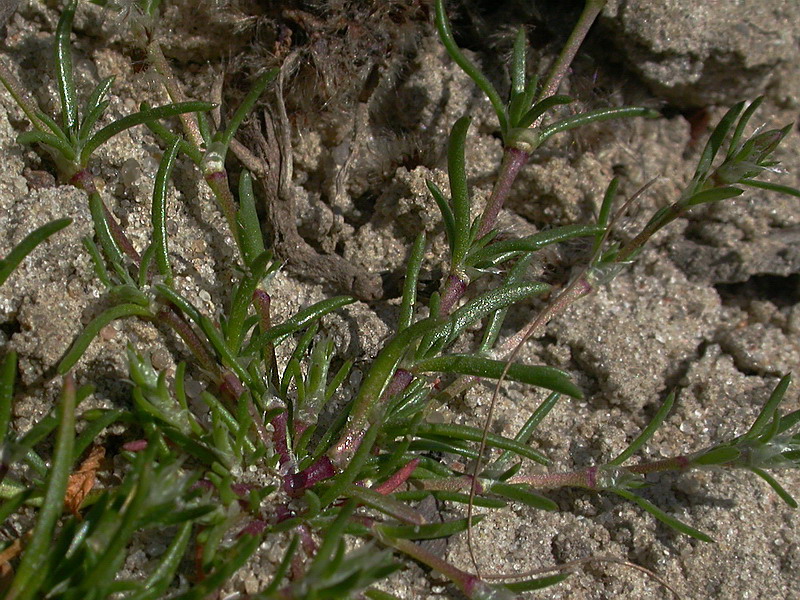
(337, 487)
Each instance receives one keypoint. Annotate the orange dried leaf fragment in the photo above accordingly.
(82, 481)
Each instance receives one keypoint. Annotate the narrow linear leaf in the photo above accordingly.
(525, 432)
(385, 504)
(8, 373)
(127, 293)
(446, 35)
(97, 261)
(541, 107)
(536, 584)
(765, 417)
(242, 297)
(772, 187)
(186, 307)
(448, 220)
(299, 321)
(351, 471)
(715, 141)
(15, 495)
(773, 483)
(102, 229)
(247, 218)
(26, 246)
(740, 126)
(789, 421)
(93, 429)
(472, 434)
(205, 134)
(409, 299)
(217, 341)
(166, 136)
(63, 62)
(429, 531)
(90, 119)
(234, 558)
(771, 430)
(54, 127)
(161, 578)
(605, 213)
(494, 323)
(475, 310)
(459, 191)
(432, 443)
(648, 431)
(463, 364)
(246, 106)
(159, 212)
(283, 568)
(659, 514)
(27, 580)
(522, 495)
(716, 456)
(596, 116)
(330, 542)
(93, 328)
(416, 495)
(98, 95)
(532, 243)
(111, 559)
(712, 195)
(139, 118)
(518, 64)
(47, 139)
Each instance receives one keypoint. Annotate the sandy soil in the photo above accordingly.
(710, 309)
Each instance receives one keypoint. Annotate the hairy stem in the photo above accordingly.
(471, 585)
(513, 160)
(172, 317)
(188, 120)
(599, 478)
(565, 58)
(580, 288)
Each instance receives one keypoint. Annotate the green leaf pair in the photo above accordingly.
(520, 117)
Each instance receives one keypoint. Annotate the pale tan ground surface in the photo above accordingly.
(710, 309)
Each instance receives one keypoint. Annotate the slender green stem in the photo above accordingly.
(578, 289)
(471, 585)
(599, 478)
(513, 161)
(189, 120)
(570, 49)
